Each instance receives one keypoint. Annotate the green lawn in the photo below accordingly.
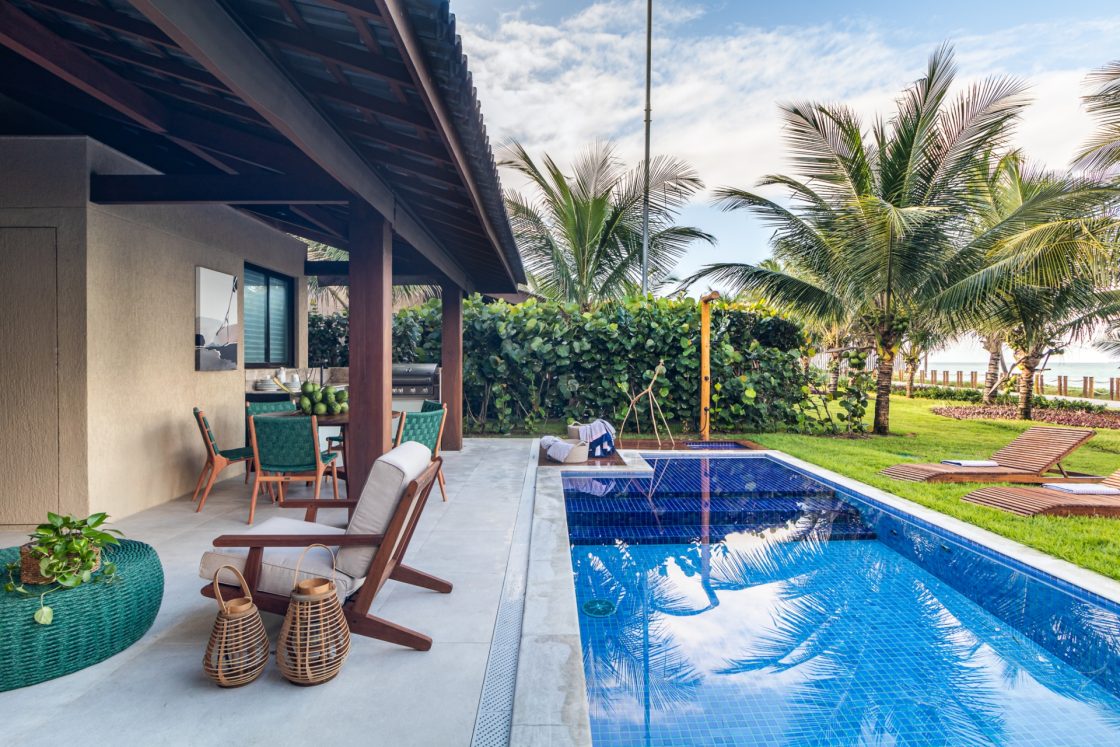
(921, 436)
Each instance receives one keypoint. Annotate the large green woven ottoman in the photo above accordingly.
(91, 622)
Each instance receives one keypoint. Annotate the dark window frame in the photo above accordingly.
(290, 282)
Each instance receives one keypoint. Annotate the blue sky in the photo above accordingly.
(558, 75)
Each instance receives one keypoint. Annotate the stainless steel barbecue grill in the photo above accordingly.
(413, 383)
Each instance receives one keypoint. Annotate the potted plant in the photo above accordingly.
(65, 552)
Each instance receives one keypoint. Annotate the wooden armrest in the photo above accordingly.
(297, 540)
(321, 503)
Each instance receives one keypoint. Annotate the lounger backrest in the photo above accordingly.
(1039, 448)
(1113, 480)
(387, 483)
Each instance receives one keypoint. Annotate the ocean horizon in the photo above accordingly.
(1102, 371)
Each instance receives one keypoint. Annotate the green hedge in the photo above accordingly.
(539, 361)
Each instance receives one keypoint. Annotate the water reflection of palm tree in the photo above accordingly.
(630, 653)
(825, 629)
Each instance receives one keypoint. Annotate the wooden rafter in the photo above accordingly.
(195, 189)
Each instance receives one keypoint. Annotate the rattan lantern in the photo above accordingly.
(238, 647)
(314, 639)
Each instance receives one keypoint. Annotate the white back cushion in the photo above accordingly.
(388, 480)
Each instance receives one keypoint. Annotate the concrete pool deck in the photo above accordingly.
(154, 693)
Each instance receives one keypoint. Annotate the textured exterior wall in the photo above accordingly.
(43, 185)
(126, 306)
(144, 447)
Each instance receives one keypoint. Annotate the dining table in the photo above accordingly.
(340, 421)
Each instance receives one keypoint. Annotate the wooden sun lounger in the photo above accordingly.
(1035, 501)
(1027, 459)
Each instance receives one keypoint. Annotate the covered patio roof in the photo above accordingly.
(292, 111)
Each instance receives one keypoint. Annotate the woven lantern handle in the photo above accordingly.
(218, 590)
(299, 562)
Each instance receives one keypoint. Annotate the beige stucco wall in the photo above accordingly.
(41, 185)
(127, 309)
(140, 323)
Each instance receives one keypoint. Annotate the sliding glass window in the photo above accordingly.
(269, 318)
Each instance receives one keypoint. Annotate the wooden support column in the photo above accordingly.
(371, 341)
(451, 374)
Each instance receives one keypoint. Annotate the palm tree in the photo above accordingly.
(1103, 149)
(924, 335)
(581, 235)
(339, 296)
(1045, 245)
(874, 218)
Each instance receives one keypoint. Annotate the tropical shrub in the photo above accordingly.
(539, 361)
(328, 340)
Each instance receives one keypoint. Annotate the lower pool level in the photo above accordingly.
(739, 601)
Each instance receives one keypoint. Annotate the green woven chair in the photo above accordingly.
(426, 427)
(431, 405)
(216, 459)
(286, 449)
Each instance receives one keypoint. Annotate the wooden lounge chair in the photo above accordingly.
(370, 550)
(1049, 501)
(1027, 459)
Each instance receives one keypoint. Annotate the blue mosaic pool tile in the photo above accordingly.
(916, 637)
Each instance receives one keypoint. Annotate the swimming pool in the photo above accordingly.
(738, 600)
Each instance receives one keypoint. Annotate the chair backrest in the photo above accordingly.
(207, 432)
(398, 534)
(431, 405)
(422, 427)
(258, 408)
(1041, 447)
(280, 442)
(388, 482)
(1113, 480)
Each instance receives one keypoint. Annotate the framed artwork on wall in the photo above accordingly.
(216, 328)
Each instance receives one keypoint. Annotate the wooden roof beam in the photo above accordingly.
(207, 32)
(107, 19)
(30, 39)
(196, 189)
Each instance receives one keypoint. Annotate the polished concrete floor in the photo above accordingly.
(155, 692)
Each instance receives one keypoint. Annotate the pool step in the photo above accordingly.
(749, 510)
(687, 534)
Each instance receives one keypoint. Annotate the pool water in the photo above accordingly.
(729, 601)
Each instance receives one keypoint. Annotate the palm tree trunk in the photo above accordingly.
(833, 374)
(994, 347)
(884, 372)
(911, 371)
(1026, 383)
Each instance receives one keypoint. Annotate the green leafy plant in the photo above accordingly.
(68, 550)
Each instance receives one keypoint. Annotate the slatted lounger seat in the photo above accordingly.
(1050, 501)
(1026, 459)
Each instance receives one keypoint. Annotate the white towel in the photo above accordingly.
(593, 430)
(1082, 488)
(971, 462)
(556, 449)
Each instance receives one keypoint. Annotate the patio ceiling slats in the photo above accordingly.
(375, 97)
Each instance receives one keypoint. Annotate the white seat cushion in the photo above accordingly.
(1084, 488)
(970, 462)
(279, 563)
(388, 479)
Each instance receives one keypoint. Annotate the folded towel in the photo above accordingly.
(971, 462)
(1082, 488)
(556, 449)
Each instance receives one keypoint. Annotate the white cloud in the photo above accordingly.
(558, 87)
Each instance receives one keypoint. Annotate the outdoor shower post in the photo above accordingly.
(706, 364)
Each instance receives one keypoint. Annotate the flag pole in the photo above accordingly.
(645, 192)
